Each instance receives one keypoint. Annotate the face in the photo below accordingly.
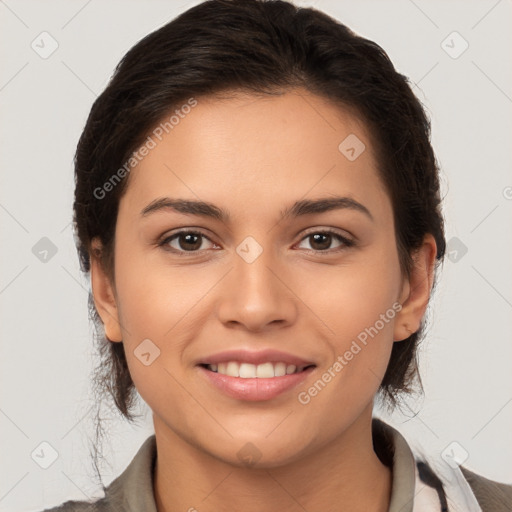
(304, 307)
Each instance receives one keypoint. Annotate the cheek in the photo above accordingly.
(359, 353)
(353, 297)
(163, 304)
(360, 307)
(154, 297)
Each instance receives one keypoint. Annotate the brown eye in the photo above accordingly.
(185, 241)
(320, 241)
(189, 241)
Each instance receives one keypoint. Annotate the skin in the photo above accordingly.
(254, 156)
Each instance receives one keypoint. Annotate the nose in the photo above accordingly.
(257, 295)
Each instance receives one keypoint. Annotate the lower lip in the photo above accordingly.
(255, 389)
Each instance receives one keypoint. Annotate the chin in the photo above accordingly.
(259, 452)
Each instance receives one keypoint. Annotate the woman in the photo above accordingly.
(257, 202)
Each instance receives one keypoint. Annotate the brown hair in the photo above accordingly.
(262, 47)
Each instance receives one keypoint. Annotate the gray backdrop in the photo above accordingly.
(58, 55)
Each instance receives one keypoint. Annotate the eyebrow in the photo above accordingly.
(299, 208)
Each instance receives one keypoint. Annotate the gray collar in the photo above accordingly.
(394, 451)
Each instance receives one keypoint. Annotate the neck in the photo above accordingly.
(344, 475)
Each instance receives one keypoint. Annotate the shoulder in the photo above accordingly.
(491, 496)
(132, 489)
(100, 505)
(454, 485)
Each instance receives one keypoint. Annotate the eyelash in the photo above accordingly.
(345, 241)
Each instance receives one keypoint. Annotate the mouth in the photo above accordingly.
(254, 377)
(250, 375)
(267, 370)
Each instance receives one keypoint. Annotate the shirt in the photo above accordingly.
(419, 483)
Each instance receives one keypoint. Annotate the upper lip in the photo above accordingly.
(255, 357)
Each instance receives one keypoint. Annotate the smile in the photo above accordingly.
(260, 371)
(253, 383)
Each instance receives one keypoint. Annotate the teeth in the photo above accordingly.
(290, 369)
(248, 371)
(233, 369)
(263, 371)
(280, 369)
(251, 371)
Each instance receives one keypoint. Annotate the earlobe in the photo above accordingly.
(402, 332)
(103, 294)
(416, 290)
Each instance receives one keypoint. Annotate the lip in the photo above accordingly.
(254, 389)
(255, 357)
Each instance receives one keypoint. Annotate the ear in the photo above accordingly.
(103, 293)
(416, 290)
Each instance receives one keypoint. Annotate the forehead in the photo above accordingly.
(252, 152)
